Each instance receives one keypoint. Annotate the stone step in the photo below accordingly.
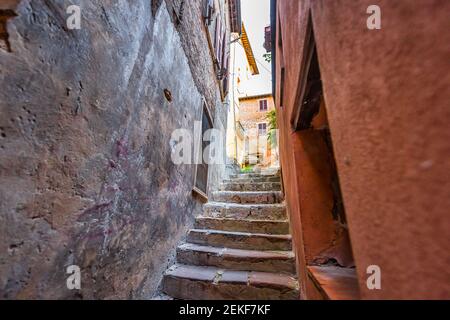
(162, 296)
(263, 197)
(254, 175)
(239, 240)
(245, 211)
(253, 179)
(257, 186)
(237, 259)
(246, 225)
(211, 283)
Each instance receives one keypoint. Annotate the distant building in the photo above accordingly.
(252, 116)
(243, 66)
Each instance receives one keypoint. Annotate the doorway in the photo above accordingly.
(326, 241)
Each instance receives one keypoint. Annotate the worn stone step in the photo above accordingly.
(237, 259)
(239, 240)
(162, 296)
(263, 197)
(254, 175)
(274, 211)
(257, 186)
(243, 225)
(254, 179)
(211, 283)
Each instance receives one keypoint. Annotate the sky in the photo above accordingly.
(256, 16)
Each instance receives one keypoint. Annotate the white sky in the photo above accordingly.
(256, 16)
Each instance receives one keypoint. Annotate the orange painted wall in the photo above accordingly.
(387, 100)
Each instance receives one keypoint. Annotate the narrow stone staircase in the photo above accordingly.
(240, 247)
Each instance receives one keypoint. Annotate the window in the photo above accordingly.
(262, 105)
(221, 54)
(262, 129)
(201, 171)
(309, 92)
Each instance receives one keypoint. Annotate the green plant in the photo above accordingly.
(247, 169)
(268, 57)
(272, 118)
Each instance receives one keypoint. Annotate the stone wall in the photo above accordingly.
(85, 169)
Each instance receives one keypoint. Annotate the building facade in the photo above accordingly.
(86, 119)
(243, 67)
(253, 116)
(364, 145)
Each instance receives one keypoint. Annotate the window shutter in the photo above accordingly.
(220, 49)
(201, 175)
(262, 105)
(217, 36)
(222, 57)
(225, 79)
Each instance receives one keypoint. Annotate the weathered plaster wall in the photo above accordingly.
(386, 93)
(195, 43)
(85, 169)
(194, 40)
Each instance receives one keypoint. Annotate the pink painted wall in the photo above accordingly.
(387, 100)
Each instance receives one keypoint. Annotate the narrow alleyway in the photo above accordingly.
(240, 247)
(224, 150)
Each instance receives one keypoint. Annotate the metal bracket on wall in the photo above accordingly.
(221, 72)
(208, 11)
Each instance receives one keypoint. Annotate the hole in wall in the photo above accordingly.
(168, 95)
(5, 15)
(25, 121)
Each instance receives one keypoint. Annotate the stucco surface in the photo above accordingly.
(386, 93)
(85, 169)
